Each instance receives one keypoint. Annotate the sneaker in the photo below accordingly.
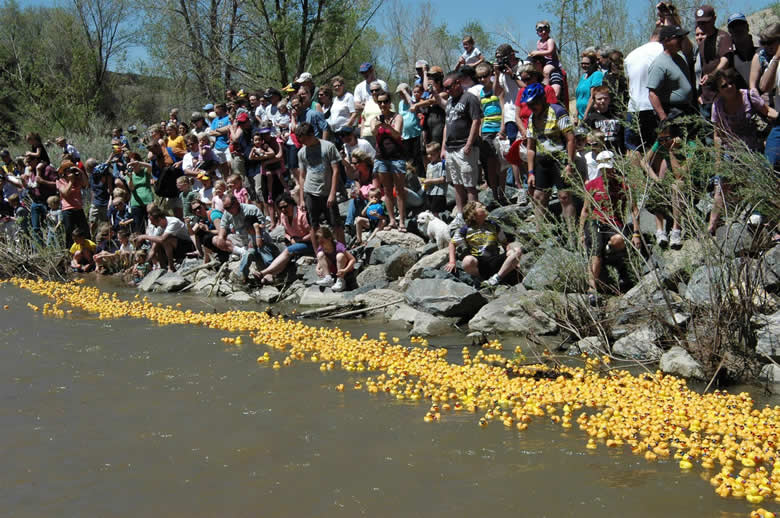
(522, 197)
(338, 285)
(756, 219)
(493, 281)
(326, 281)
(458, 220)
(675, 239)
(593, 300)
(661, 239)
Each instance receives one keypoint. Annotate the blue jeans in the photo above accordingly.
(354, 209)
(772, 150)
(38, 213)
(262, 257)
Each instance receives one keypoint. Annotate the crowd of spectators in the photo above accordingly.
(218, 184)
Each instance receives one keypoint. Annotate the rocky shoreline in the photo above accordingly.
(400, 278)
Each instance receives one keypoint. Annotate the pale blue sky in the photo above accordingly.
(502, 15)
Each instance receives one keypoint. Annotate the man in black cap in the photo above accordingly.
(742, 50)
(269, 113)
(198, 122)
(668, 81)
(713, 55)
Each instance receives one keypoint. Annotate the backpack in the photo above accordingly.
(165, 186)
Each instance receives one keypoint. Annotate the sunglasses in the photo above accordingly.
(375, 91)
(525, 78)
(585, 63)
(483, 76)
(284, 206)
(766, 43)
(450, 87)
(384, 101)
(542, 28)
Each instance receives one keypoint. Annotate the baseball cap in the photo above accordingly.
(705, 13)
(208, 107)
(242, 117)
(203, 176)
(605, 161)
(671, 31)
(736, 17)
(196, 116)
(270, 92)
(304, 77)
(505, 49)
(365, 67)
(345, 130)
(5, 152)
(421, 63)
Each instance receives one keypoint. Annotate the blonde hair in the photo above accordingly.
(120, 194)
(53, 200)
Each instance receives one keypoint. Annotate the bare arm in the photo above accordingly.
(473, 132)
(657, 106)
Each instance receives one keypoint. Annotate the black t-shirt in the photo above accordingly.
(610, 125)
(434, 123)
(461, 113)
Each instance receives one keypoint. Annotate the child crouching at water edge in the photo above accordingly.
(333, 260)
(140, 268)
(82, 252)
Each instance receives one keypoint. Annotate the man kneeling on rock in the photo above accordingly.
(170, 239)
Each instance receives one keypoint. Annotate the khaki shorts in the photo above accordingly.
(463, 169)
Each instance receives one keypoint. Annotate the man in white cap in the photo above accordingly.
(306, 80)
(742, 48)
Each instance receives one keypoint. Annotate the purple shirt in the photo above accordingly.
(739, 125)
(338, 249)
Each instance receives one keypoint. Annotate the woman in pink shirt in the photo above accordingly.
(70, 181)
(297, 232)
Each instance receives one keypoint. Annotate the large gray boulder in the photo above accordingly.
(591, 345)
(770, 372)
(444, 297)
(512, 219)
(381, 254)
(148, 282)
(399, 263)
(423, 324)
(266, 294)
(515, 312)
(703, 281)
(555, 269)
(318, 296)
(771, 268)
(734, 239)
(373, 274)
(405, 239)
(639, 345)
(679, 362)
(769, 336)
(434, 260)
(170, 282)
(240, 296)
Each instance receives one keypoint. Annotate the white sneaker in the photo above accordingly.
(458, 220)
(325, 281)
(756, 219)
(661, 239)
(675, 239)
(338, 285)
(493, 280)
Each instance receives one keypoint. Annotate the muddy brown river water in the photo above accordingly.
(126, 418)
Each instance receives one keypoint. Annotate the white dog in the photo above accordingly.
(434, 228)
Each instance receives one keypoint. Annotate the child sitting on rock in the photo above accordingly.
(372, 216)
(82, 252)
(333, 260)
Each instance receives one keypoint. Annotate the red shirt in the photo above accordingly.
(605, 203)
(524, 111)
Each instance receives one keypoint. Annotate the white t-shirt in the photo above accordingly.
(260, 113)
(471, 57)
(188, 162)
(363, 145)
(636, 65)
(206, 194)
(475, 90)
(174, 227)
(361, 91)
(510, 94)
(341, 110)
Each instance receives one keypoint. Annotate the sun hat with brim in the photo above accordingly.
(401, 87)
(532, 93)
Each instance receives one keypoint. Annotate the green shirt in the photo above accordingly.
(141, 194)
